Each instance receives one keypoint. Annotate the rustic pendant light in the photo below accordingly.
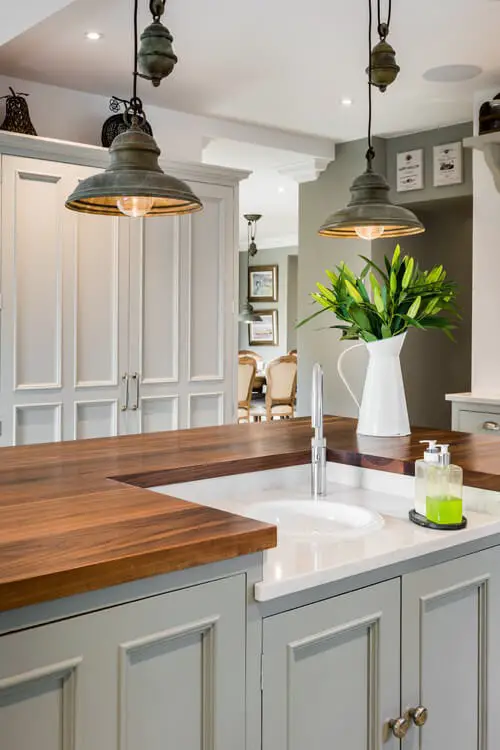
(134, 183)
(370, 213)
(247, 313)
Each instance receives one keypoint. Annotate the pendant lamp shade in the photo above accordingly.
(370, 207)
(134, 179)
(248, 314)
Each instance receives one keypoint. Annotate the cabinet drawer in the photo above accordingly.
(479, 421)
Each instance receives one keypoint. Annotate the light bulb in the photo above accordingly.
(369, 233)
(135, 205)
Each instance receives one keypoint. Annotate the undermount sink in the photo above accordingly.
(306, 518)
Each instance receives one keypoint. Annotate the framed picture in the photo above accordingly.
(263, 283)
(410, 170)
(447, 164)
(265, 332)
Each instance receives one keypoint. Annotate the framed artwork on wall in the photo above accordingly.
(410, 170)
(447, 160)
(263, 283)
(264, 332)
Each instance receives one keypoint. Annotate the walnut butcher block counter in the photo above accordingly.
(77, 516)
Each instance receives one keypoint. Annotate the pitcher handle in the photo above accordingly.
(341, 372)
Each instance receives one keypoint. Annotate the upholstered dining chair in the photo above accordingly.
(249, 353)
(281, 376)
(247, 367)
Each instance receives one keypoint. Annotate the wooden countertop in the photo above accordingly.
(75, 516)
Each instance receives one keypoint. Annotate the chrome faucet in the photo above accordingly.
(318, 442)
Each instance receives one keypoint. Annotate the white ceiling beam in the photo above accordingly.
(21, 16)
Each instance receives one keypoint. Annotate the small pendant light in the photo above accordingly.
(247, 313)
(371, 214)
(134, 184)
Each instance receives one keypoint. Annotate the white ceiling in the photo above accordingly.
(280, 63)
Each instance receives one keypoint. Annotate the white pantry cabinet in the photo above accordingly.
(112, 325)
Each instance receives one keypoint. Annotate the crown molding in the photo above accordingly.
(307, 170)
(95, 156)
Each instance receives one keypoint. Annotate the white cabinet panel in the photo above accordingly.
(37, 423)
(36, 276)
(94, 419)
(159, 413)
(96, 300)
(451, 652)
(205, 409)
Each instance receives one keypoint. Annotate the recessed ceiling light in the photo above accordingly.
(346, 102)
(281, 189)
(452, 73)
(93, 36)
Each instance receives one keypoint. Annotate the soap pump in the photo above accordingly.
(431, 457)
(444, 491)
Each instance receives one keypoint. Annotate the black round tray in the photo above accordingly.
(423, 521)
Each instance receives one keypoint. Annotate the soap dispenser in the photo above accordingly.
(431, 457)
(444, 492)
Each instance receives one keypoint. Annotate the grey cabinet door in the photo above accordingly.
(331, 672)
(451, 652)
(164, 673)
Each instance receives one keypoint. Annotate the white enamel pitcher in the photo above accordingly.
(382, 411)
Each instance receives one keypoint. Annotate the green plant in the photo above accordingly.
(401, 297)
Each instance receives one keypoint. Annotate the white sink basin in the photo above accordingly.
(308, 518)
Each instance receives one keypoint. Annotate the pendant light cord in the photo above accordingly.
(370, 154)
(383, 27)
(135, 102)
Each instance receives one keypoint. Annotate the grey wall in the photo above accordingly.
(427, 139)
(433, 365)
(292, 301)
(448, 240)
(269, 257)
(316, 342)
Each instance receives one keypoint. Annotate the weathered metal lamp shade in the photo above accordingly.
(383, 69)
(370, 213)
(134, 183)
(248, 314)
(156, 58)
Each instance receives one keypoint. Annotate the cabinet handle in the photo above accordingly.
(124, 405)
(135, 377)
(418, 715)
(491, 426)
(400, 727)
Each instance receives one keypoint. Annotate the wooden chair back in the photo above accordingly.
(281, 377)
(247, 368)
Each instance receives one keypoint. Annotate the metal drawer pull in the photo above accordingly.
(419, 715)
(400, 727)
(124, 405)
(135, 377)
(491, 426)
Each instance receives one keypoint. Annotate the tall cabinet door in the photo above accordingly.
(451, 653)
(331, 673)
(64, 283)
(183, 329)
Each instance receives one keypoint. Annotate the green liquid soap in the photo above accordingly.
(444, 510)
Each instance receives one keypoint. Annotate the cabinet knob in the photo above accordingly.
(399, 727)
(491, 426)
(419, 715)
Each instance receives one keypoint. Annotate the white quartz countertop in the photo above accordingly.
(474, 398)
(299, 563)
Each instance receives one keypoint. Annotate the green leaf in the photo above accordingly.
(364, 271)
(386, 331)
(415, 307)
(377, 294)
(332, 276)
(393, 283)
(311, 317)
(396, 255)
(353, 291)
(327, 293)
(360, 318)
(408, 273)
(347, 272)
(363, 292)
(369, 337)
(375, 267)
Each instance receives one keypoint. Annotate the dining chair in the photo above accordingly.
(247, 367)
(249, 353)
(281, 376)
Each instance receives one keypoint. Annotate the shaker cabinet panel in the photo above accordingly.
(331, 672)
(451, 652)
(163, 673)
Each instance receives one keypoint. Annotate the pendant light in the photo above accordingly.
(370, 214)
(134, 183)
(247, 313)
